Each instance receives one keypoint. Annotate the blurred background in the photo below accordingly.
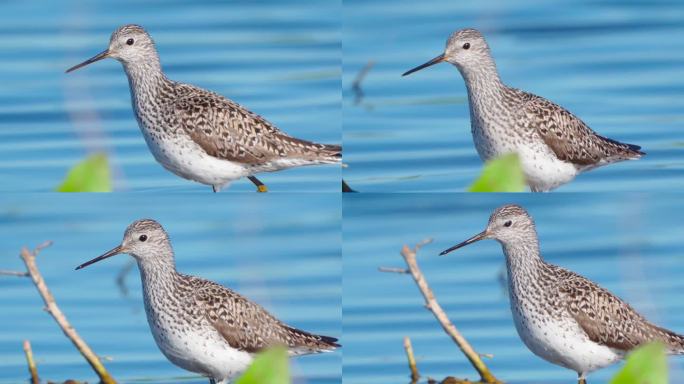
(616, 64)
(630, 244)
(282, 252)
(278, 59)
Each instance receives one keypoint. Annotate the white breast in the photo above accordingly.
(560, 342)
(186, 159)
(543, 170)
(197, 349)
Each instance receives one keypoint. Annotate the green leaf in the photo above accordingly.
(645, 365)
(90, 175)
(503, 174)
(269, 367)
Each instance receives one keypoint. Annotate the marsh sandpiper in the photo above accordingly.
(200, 135)
(553, 145)
(561, 316)
(199, 325)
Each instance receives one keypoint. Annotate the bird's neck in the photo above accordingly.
(146, 80)
(483, 84)
(523, 264)
(158, 278)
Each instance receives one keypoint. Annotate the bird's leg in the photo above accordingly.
(261, 187)
(581, 379)
(213, 187)
(212, 381)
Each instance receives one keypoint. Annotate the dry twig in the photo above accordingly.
(31, 363)
(415, 376)
(51, 307)
(6, 272)
(431, 304)
(394, 270)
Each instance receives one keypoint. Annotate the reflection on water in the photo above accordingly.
(629, 244)
(413, 133)
(282, 252)
(279, 59)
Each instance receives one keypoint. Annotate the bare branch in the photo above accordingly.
(394, 270)
(6, 272)
(415, 376)
(41, 246)
(431, 303)
(52, 308)
(420, 245)
(31, 363)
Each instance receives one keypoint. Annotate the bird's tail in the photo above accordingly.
(624, 151)
(674, 342)
(305, 343)
(329, 342)
(310, 152)
(331, 153)
(634, 151)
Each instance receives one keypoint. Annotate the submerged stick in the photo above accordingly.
(51, 307)
(121, 277)
(433, 306)
(356, 84)
(346, 188)
(31, 363)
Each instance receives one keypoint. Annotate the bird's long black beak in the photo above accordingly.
(434, 61)
(102, 55)
(480, 236)
(109, 253)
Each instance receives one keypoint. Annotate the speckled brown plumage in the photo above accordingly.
(606, 318)
(569, 138)
(244, 325)
(226, 130)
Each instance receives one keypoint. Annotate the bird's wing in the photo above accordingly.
(604, 317)
(248, 326)
(570, 138)
(228, 131)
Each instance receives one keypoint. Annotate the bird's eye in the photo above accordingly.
(130, 41)
(508, 223)
(466, 45)
(142, 237)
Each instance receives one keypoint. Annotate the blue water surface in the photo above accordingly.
(629, 244)
(279, 59)
(618, 65)
(282, 251)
